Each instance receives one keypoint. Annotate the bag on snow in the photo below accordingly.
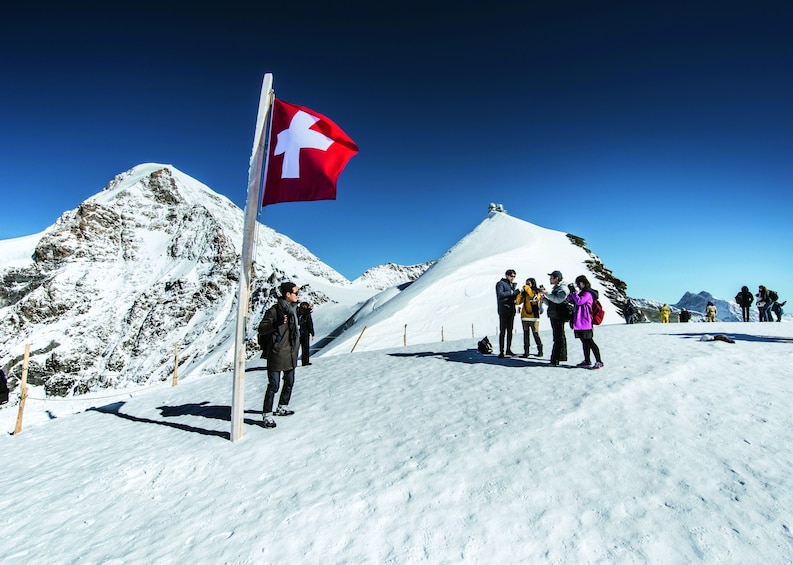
(484, 345)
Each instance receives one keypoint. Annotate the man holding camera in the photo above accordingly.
(555, 300)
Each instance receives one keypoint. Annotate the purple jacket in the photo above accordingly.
(582, 319)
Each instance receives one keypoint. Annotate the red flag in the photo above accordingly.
(307, 155)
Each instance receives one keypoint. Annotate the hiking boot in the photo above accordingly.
(283, 411)
(510, 353)
(500, 355)
(597, 365)
(584, 364)
(268, 422)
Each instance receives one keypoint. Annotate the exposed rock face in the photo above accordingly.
(150, 261)
(390, 274)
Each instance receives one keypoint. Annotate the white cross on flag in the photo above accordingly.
(307, 154)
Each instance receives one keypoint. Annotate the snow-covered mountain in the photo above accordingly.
(390, 275)
(459, 290)
(148, 268)
(151, 261)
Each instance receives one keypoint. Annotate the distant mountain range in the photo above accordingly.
(148, 268)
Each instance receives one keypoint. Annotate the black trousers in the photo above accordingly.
(305, 344)
(506, 323)
(559, 351)
(273, 380)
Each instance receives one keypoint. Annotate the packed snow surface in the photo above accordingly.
(678, 451)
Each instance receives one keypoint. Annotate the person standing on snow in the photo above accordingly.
(554, 299)
(710, 311)
(665, 310)
(744, 299)
(506, 291)
(529, 297)
(584, 298)
(279, 329)
(763, 304)
(306, 323)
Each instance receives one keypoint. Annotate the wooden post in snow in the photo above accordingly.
(23, 390)
(357, 340)
(405, 336)
(175, 363)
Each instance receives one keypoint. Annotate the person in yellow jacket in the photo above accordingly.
(710, 311)
(665, 310)
(529, 297)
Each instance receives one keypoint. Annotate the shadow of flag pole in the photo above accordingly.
(255, 171)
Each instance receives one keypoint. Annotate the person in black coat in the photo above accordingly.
(279, 333)
(3, 387)
(744, 299)
(306, 324)
(506, 292)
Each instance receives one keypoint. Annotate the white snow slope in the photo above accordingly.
(456, 297)
(678, 451)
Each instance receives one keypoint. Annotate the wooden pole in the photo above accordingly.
(472, 331)
(405, 336)
(442, 334)
(257, 165)
(176, 363)
(23, 390)
(357, 340)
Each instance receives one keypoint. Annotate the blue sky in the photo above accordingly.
(661, 132)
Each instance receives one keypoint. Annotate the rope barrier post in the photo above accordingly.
(357, 340)
(472, 330)
(442, 340)
(175, 363)
(405, 336)
(23, 390)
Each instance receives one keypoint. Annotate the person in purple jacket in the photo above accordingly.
(583, 297)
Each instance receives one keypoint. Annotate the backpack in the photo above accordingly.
(597, 311)
(266, 339)
(773, 296)
(566, 311)
(484, 345)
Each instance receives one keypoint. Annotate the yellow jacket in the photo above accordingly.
(531, 304)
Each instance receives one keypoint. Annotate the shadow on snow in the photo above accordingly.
(202, 409)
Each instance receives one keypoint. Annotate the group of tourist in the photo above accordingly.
(565, 303)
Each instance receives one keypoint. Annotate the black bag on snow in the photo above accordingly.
(484, 345)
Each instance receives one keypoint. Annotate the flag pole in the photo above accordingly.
(258, 155)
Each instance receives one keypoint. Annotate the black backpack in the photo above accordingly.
(484, 345)
(773, 296)
(566, 311)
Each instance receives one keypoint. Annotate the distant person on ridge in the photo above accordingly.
(777, 309)
(629, 312)
(584, 298)
(3, 387)
(665, 310)
(554, 299)
(306, 323)
(744, 299)
(529, 297)
(279, 330)
(763, 304)
(506, 291)
(710, 311)
(685, 315)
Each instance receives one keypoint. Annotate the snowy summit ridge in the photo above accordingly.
(150, 261)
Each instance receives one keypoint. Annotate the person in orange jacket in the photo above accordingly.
(529, 298)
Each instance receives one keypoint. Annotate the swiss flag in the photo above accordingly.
(307, 154)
